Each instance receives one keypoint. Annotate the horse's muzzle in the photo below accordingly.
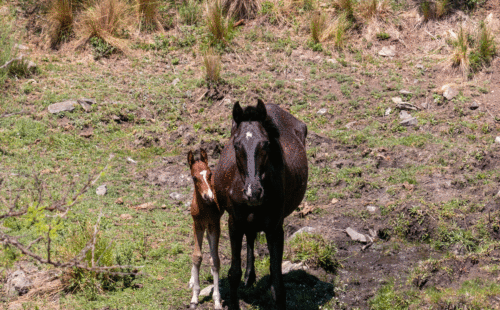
(254, 195)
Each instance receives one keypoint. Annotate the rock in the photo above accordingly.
(331, 61)
(406, 106)
(404, 115)
(288, 266)
(175, 81)
(474, 105)
(497, 139)
(307, 229)
(299, 80)
(388, 51)
(207, 290)
(334, 201)
(31, 66)
(448, 91)
(372, 209)
(397, 100)
(356, 236)
(126, 216)
(387, 111)
(349, 125)
(101, 190)
(18, 284)
(405, 92)
(322, 111)
(227, 102)
(68, 105)
(424, 105)
(176, 196)
(86, 103)
(420, 66)
(412, 121)
(21, 47)
(87, 132)
(119, 201)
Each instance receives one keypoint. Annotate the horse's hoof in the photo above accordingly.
(192, 305)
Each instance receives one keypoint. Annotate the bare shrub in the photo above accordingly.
(60, 17)
(212, 66)
(110, 20)
(241, 8)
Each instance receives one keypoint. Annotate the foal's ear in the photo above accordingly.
(261, 110)
(203, 156)
(190, 158)
(237, 113)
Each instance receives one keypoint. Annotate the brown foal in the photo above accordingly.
(206, 216)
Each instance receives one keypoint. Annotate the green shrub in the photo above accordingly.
(190, 12)
(314, 250)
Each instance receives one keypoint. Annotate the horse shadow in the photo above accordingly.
(303, 291)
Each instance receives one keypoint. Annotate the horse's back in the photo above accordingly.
(292, 139)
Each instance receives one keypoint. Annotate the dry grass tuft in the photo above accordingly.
(346, 6)
(110, 20)
(212, 65)
(60, 17)
(241, 8)
(368, 9)
(318, 26)
(148, 14)
(442, 8)
(337, 32)
(218, 25)
(460, 57)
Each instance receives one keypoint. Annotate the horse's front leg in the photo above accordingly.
(275, 244)
(236, 237)
(249, 278)
(194, 282)
(213, 241)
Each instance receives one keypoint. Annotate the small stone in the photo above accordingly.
(226, 102)
(397, 100)
(126, 216)
(412, 121)
(207, 290)
(387, 111)
(306, 229)
(175, 81)
(388, 51)
(119, 201)
(21, 47)
(68, 105)
(371, 209)
(87, 132)
(86, 103)
(474, 105)
(299, 80)
(131, 160)
(448, 91)
(349, 125)
(334, 201)
(331, 61)
(420, 66)
(17, 284)
(322, 111)
(356, 236)
(415, 81)
(101, 190)
(405, 92)
(31, 66)
(404, 115)
(497, 139)
(176, 196)
(424, 105)
(406, 106)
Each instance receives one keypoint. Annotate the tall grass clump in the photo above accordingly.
(368, 9)
(460, 57)
(148, 14)
(6, 52)
(110, 20)
(313, 250)
(60, 17)
(337, 31)
(241, 8)
(190, 12)
(346, 6)
(218, 25)
(212, 66)
(318, 25)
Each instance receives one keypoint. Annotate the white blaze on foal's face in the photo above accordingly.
(204, 175)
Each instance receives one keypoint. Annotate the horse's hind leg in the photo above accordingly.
(213, 241)
(249, 278)
(194, 282)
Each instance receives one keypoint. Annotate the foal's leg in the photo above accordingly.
(275, 245)
(249, 278)
(234, 275)
(194, 282)
(213, 242)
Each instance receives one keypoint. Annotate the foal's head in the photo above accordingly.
(252, 140)
(202, 176)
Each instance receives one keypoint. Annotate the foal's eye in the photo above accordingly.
(194, 179)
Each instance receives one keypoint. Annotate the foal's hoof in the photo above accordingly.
(192, 305)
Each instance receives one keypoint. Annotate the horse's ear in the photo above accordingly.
(203, 156)
(237, 113)
(261, 110)
(190, 158)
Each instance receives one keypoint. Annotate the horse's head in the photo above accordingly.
(202, 176)
(251, 143)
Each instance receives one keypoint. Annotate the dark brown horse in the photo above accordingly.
(206, 217)
(260, 179)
